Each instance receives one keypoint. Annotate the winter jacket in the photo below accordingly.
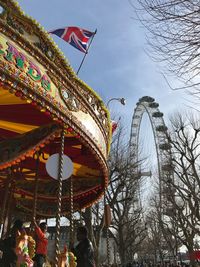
(41, 241)
(84, 253)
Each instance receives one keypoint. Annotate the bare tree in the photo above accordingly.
(127, 227)
(161, 241)
(156, 245)
(184, 189)
(174, 28)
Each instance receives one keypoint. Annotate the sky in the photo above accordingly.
(117, 64)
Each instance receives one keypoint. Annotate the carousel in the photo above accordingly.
(48, 117)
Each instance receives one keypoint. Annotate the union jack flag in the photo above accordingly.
(75, 36)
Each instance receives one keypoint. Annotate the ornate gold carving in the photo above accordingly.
(80, 97)
(71, 102)
(16, 25)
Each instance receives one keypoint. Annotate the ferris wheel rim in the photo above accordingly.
(148, 105)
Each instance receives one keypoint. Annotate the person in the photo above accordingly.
(41, 236)
(84, 251)
(8, 245)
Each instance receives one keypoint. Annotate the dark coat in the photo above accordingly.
(9, 258)
(84, 253)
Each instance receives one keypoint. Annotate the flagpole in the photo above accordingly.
(86, 52)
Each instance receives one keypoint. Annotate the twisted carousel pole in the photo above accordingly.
(36, 184)
(71, 212)
(59, 197)
(6, 193)
(9, 208)
(107, 221)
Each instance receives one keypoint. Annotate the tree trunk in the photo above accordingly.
(91, 235)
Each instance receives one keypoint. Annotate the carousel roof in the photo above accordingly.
(39, 95)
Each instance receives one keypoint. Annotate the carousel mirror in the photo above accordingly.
(1, 10)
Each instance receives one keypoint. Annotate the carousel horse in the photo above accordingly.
(72, 259)
(25, 250)
(66, 259)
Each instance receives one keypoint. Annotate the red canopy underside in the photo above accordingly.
(18, 117)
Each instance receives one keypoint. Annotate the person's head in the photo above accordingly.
(43, 226)
(81, 233)
(18, 224)
(16, 228)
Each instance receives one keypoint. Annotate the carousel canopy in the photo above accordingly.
(39, 95)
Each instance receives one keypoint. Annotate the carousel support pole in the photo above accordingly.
(3, 208)
(36, 185)
(59, 198)
(71, 213)
(81, 219)
(9, 209)
(107, 231)
(108, 245)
